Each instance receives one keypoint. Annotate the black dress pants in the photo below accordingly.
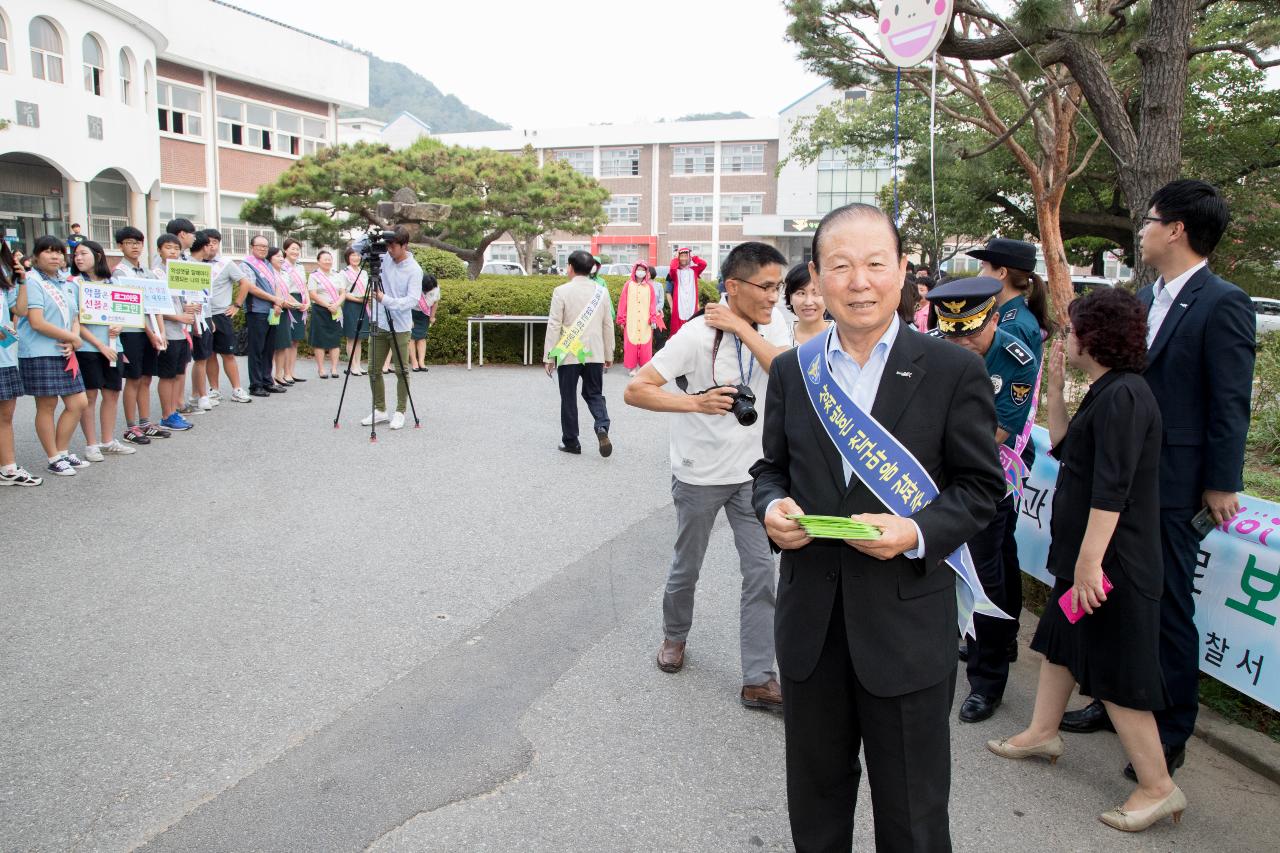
(261, 350)
(592, 376)
(906, 742)
(988, 666)
(1179, 640)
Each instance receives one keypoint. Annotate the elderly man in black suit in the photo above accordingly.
(1200, 352)
(866, 629)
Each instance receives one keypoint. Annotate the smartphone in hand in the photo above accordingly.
(1203, 522)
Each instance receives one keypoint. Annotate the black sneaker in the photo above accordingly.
(135, 435)
(153, 431)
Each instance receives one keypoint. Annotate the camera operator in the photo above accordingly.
(401, 289)
(715, 439)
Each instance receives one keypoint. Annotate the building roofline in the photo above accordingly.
(411, 117)
(810, 93)
(289, 27)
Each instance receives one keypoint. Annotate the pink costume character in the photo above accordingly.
(682, 279)
(637, 315)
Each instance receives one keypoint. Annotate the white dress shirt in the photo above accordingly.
(1163, 296)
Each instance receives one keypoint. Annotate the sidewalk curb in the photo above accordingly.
(1253, 749)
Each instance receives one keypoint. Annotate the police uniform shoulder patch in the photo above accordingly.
(934, 333)
(1011, 314)
(1019, 352)
(1021, 392)
(997, 382)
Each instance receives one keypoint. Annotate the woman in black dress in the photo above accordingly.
(1106, 520)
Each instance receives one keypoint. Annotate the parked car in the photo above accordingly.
(615, 269)
(1082, 284)
(1267, 312)
(502, 268)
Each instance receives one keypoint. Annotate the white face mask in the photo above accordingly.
(642, 273)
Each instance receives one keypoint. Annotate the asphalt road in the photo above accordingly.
(267, 634)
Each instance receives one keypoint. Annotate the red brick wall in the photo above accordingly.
(229, 86)
(244, 171)
(182, 163)
(181, 73)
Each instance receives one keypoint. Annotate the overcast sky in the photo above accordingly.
(573, 62)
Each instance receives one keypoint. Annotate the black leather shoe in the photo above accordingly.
(1174, 756)
(1091, 718)
(275, 389)
(571, 448)
(963, 654)
(977, 708)
(258, 392)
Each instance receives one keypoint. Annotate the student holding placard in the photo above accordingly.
(172, 361)
(48, 335)
(12, 289)
(202, 331)
(138, 362)
(98, 353)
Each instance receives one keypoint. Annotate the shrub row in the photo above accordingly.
(499, 294)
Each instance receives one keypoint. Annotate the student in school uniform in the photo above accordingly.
(138, 354)
(201, 337)
(326, 292)
(98, 354)
(12, 285)
(352, 308)
(226, 300)
(172, 361)
(48, 334)
(424, 316)
(294, 276)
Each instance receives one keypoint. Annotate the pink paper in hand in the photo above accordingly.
(1065, 602)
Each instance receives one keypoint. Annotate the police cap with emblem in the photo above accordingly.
(1002, 252)
(965, 305)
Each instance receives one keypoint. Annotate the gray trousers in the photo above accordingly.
(696, 510)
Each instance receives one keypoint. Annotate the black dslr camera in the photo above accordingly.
(744, 405)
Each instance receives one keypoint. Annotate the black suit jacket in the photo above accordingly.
(900, 614)
(1200, 368)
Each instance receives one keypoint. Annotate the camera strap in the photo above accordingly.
(682, 382)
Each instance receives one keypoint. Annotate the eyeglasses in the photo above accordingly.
(1147, 219)
(766, 287)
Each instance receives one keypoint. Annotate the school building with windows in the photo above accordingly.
(162, 108)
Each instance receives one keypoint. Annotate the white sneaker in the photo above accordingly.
(397, 420)
(239, 396)
(378, 416)
(76, 461)
(204, 404)
(117, 449)
(214, 402)
(92, 453)
(215, 394)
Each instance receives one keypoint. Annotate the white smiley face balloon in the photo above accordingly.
(911, 30)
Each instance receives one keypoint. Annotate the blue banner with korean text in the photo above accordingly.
(1237, 582)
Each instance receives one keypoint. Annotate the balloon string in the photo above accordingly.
(897, 99)
(933, 187)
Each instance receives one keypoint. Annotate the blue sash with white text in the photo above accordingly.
(885, 467)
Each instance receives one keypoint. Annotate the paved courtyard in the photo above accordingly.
(268, 634)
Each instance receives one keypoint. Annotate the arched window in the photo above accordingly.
(4, 43)
(126, 76)
(46, 50)
(95, 64)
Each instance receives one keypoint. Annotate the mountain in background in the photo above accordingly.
(713, 116)
(394, 87)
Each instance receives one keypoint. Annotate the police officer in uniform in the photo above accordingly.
(1024, 312)
(967, 311)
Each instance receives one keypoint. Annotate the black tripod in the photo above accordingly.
(372, 267)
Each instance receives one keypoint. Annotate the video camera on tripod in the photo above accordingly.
(373, 245)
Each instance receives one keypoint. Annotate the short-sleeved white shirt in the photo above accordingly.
(715, 450)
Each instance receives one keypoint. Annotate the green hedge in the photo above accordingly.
(505, 294)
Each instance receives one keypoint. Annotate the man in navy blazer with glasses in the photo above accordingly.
(1200, 353)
